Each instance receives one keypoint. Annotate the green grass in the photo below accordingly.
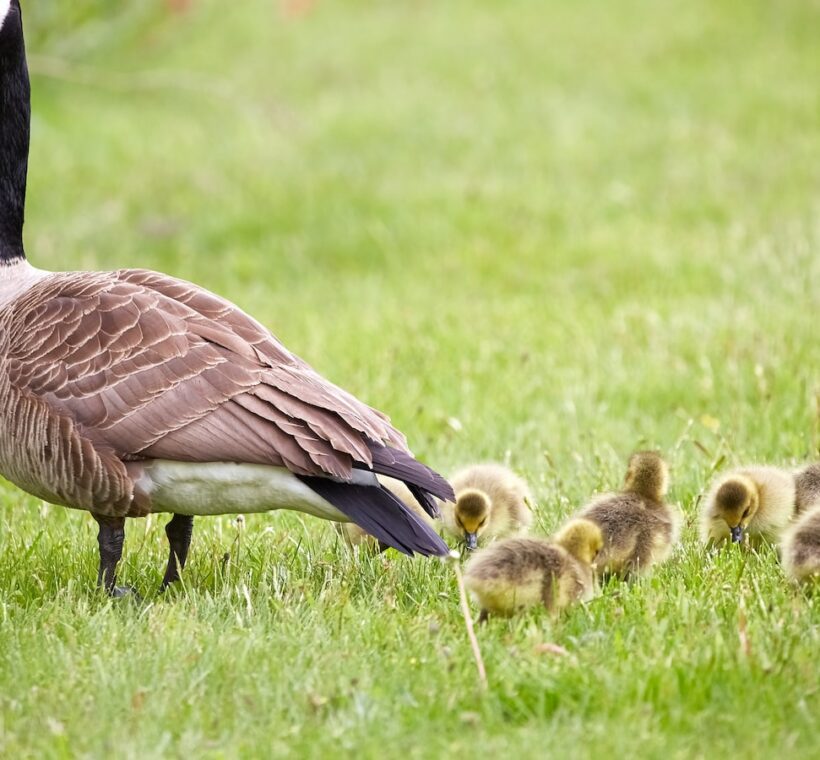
(543, 233)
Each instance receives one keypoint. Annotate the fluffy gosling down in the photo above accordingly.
(807, 488)
(517, 573)
(754, 501)
(491, 502)
(800, 549)
(638, 526)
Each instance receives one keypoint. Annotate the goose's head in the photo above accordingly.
(582, 539)
(648, 475)
(736, 503)
(472, 514)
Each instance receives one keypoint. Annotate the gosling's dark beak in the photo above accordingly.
(471, 540)
(737, 534)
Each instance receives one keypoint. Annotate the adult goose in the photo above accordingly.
(130, 392)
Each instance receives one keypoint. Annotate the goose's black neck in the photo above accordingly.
(15, 118)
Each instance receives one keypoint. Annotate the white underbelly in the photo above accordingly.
(217, 488)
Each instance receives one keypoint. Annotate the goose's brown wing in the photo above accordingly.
(143, 366)
(287, 383)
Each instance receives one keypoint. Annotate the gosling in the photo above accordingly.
(639, 528)
(354, 535)
(517, 573)
(757, 502)
(800, 548)
(807, 488)
(491, 502)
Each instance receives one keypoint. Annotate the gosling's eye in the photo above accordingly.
(746, 513)
(482, 523)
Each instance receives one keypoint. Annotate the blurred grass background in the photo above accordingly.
(541, 232)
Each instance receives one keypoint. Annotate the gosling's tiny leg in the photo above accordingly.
(483, 617)
(178, 530)
(110, 538)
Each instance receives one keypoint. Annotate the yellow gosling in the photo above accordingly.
(753, 502)
(491, 502)
(516, 573)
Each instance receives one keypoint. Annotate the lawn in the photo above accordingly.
(545, 233)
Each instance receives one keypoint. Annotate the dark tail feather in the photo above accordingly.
(381, 514)
(420, 479)
(427, 502)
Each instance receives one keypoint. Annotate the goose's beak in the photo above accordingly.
(737, 534)
(471, 540)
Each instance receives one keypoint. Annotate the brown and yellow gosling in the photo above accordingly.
(757, 502)
(638, 526)
(807, 488)
(800, 549)
(491, 502)
(516, 573)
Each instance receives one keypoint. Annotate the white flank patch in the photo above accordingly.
(4, 10)
(219, 488)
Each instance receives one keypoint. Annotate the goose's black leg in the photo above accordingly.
(110, 539)
(179, 531)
